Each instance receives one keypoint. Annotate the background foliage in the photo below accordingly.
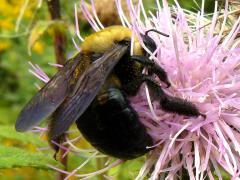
(26, 32)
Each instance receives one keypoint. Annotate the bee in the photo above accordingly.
(92, 90)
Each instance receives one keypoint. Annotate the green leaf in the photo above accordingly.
(7, 115)
(11, 157)
(128, 170)
(37, 31)
(8, 132)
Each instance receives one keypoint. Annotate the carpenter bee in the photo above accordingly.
(92, 90)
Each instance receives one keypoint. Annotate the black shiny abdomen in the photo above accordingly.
(112, 126)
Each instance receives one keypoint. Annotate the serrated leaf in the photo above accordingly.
(9, 132)
(37, 31)
(11, 157)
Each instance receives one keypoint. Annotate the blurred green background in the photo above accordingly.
(24, 25)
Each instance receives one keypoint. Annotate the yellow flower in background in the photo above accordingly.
(6, 24)
(4, 44)
(10, 10)
(38, 47)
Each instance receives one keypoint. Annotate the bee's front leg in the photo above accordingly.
(153, 68)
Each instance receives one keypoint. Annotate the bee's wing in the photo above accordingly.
(48, 98)
(85, 91)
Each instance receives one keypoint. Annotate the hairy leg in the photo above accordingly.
(153, 68)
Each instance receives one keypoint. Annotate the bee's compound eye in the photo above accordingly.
(149, 43)
(124, 42)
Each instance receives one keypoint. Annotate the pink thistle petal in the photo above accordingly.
(82, 165)
(89, 175)
(88, 16)
(122, 16)
(75, 45)
(38, 72)
(57, 169)
(77, 29)
(55, 65)
(95, 15)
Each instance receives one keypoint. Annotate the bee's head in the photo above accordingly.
(149, 42)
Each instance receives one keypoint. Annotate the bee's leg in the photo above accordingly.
(153, 68)
(170, 103)
(55, 143)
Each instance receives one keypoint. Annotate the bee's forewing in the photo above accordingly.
(48, 98)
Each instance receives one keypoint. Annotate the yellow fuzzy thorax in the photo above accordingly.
(102, 40)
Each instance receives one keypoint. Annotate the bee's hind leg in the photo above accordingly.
(153, 68)
(170, 103)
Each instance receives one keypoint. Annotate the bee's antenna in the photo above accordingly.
(154, 30)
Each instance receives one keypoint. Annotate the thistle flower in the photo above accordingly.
(106, 11)
(203, 66)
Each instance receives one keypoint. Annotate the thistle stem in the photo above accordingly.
(64, 161)
(59, 36)
(59, 47)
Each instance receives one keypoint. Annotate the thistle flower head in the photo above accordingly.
(204, 69)
(202, 62)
